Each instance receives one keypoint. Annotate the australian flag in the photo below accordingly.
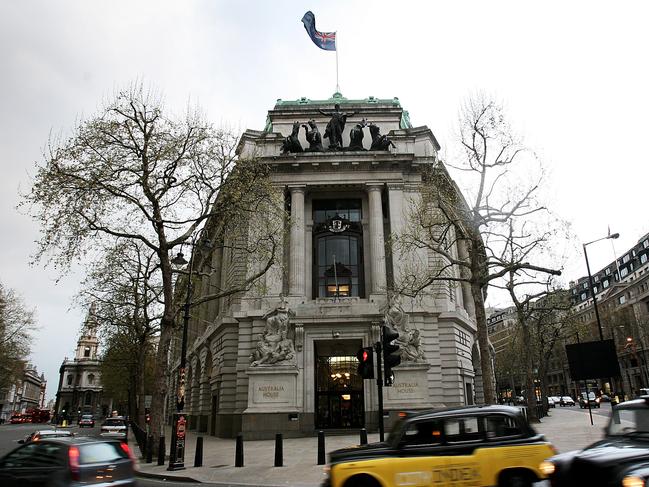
(324, 40)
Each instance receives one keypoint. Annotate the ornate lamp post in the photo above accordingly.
(177, 454)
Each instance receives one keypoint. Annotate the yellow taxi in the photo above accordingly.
(458, 447)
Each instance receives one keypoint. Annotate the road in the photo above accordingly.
(11, 433)
(604, 409)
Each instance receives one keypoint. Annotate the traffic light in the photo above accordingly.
(391, 355)
(365, 358)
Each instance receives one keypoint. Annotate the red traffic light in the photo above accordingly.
(365, 355)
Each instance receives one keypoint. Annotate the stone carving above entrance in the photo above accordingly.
(409, 340)
(275, 347)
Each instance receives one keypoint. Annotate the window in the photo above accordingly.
(621, 299)
(70, 379)
(338, 256)
(605, 283)
(645, 244)
(584, 296)
(91, 379)
(643, 258)
(101, 453)
(608, 271)
(423, 433)
(584, 285)
(462, 429)
(626, 258)
(499, 426)
(595, 290)
(86, 352)
(596, 278)
(624, 271)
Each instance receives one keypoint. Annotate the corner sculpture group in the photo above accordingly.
(334, 132)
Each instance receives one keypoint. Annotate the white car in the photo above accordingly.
(113, 428)
(566, 401)
(551, 402)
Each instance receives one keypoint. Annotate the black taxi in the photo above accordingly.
(620, 459)
(463, 447)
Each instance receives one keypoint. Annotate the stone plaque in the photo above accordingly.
(272, 389)
(410, 387)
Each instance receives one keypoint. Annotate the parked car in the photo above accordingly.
(87, 420)
(566, 401)
(556, 400)
(46, 435)
(620, 459)
(592, 399)
(114, 427)
(489, 445)
(551, 402)
(17, 418)
(68, 462)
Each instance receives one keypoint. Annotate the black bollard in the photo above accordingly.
(198, 456)
(363, 436)
(279, 454)
(321, 448)
(161, 451)
(149, 449)
(238, 454)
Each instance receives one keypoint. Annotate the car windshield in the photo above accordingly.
(629, 422)
(591, 395)
(114, 422)
(86, 416)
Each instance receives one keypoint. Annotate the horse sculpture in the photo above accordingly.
(292, 143)
(313, 137)
(356, 136)
(379, 142)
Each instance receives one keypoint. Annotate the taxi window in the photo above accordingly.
(501, 426)
(463, 429)
(427, 432)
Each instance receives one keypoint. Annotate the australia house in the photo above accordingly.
(281, 357)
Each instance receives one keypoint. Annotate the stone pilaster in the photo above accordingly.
(377, 239)
(297, 245)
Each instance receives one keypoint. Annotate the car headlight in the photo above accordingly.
(548, 468)
(632, 481)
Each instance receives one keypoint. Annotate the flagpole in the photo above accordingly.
(337, 85)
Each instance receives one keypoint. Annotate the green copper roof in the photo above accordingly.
(337, 98)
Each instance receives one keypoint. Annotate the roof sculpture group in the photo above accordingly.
(334, 132)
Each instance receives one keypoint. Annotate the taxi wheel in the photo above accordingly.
(515, 479)
(361, 481)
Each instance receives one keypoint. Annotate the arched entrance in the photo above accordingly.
(339, 388)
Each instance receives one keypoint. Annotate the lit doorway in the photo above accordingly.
(339, 388)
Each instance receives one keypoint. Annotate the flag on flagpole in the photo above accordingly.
(324, 40)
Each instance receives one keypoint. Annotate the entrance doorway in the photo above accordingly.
(339, 388)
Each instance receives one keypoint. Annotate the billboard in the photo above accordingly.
(593, 360)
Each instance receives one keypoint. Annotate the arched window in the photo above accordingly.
(86, 352)
(91, 379)
(337, 256)
(70, 379)
(88, 400)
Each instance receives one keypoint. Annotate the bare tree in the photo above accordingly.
(469, 236)
(16, 326)
(134, 173)
(124, 293)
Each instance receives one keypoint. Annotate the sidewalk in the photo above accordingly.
(567, 428)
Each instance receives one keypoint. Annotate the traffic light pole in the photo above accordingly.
(379, 387)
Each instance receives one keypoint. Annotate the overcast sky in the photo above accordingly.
(572, 75)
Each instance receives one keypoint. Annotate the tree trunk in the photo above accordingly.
(530, 392)
(483, 343)
(140, 379)
(160, 381)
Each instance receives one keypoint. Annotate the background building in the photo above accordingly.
(27, 392)
(283, 356)
(80, 389)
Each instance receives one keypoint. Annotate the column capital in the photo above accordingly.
(374, 186)
(301, 188)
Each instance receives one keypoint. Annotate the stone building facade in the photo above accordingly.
(282, 357)
(80, 390)
(26, 393)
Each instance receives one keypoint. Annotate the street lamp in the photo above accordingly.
(177, 454)
(590, 281)
(592, 287)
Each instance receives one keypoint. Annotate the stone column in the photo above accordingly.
(297, 244)
(377, 240)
